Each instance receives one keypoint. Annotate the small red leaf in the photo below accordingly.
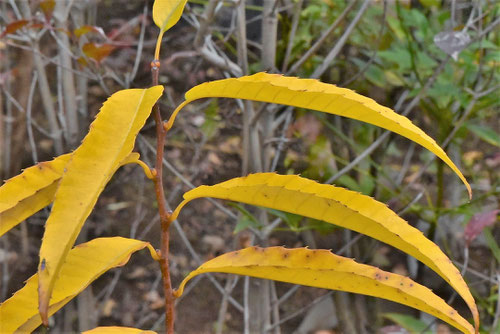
(477, 224)
(14, 26)
(97, 52)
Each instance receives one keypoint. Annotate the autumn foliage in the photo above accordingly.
(73, 183)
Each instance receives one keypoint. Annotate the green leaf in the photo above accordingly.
(485, 133)
(411, 324)
(246, 220)
(348, 182)
(212, 120)
(492, 243)
(292, 220)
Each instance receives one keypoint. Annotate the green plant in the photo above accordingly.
(74, 182)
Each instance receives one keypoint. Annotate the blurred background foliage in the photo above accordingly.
(435, 61)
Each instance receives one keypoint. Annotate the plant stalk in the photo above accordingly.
(165, 215)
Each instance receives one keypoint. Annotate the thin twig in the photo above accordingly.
(246, 313)
(131, 76)
(281, 143)
(320, 40)
(496, 320)
(340, 43)
(230, 284)
(405, 112)
(206, 18)
(243, 62)
(406, 163)
(197, 258)
(5, 268)
(300, 311)
(43, 85)
(293, 31)
(181, 233)
(374, 53)
(187, 182)
(478, 274)
(31, 139)
(444, 144)
(275, 307)
(68, 81)
(165, 215)
(12, 101)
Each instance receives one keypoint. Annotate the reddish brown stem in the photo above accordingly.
(165, 215)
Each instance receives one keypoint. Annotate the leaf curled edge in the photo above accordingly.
(316, 95)
(340, 207)
(323, 269)
(84, 264)
(110, 140)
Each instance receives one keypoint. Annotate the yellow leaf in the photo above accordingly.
(84, 264)
(322, 269)
(110, 140)
(166, 13)
(117, 330)
(30, 181)
(341, 207)
(27, 207)
(27, 193)
(312, 94)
